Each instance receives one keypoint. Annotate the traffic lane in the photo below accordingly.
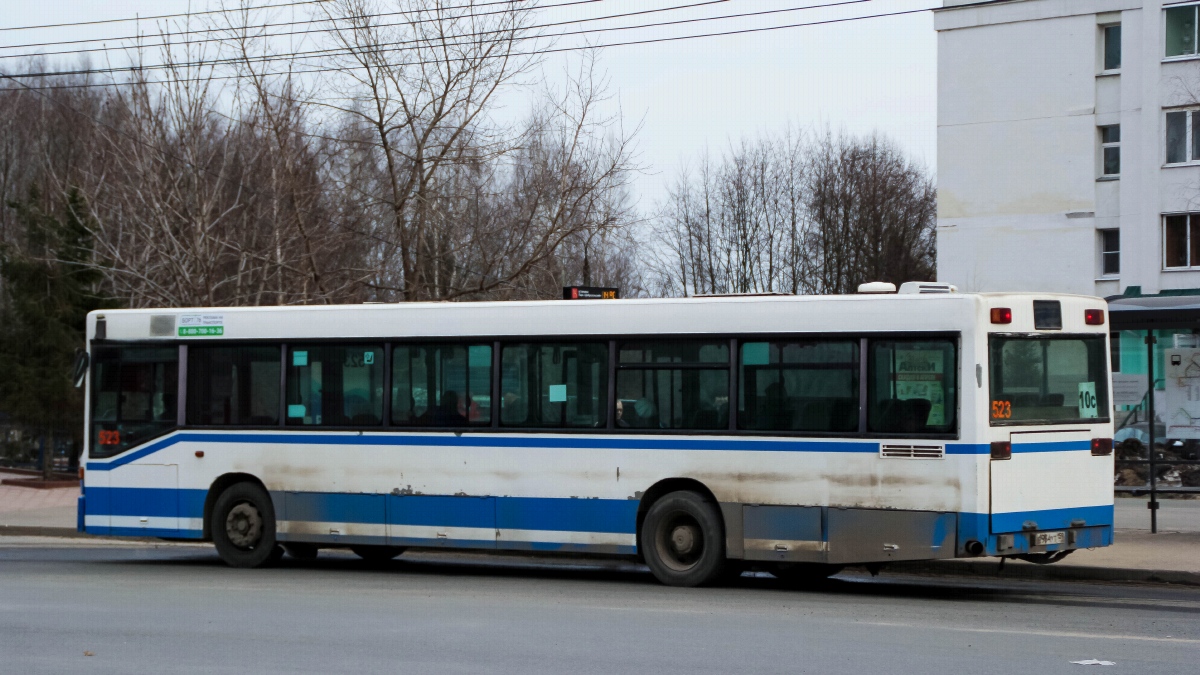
(178, 608)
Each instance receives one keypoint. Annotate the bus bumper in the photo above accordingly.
(80, 510)
(1018, 543)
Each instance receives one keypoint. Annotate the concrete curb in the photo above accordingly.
(37, 531)
(39, 484)
(1053, 572)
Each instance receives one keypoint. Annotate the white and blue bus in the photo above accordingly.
(702, 435)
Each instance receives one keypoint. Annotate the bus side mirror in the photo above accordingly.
(80, 367)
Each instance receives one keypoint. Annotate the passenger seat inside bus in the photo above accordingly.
(908, 415)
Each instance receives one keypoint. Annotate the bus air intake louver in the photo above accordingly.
(912, 451)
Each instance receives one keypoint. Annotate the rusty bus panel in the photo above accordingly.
(878, 535)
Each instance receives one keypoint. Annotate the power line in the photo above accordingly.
(206, 31)
(161, 16)
(398, 46)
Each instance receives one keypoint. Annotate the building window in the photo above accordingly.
(1183, 136)
(1112, 47)
(1181, 241)
(1110, 252)
(1110, 149)
(1181, 30)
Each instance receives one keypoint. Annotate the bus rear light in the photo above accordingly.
(1093, 317)
(81, 474)
(1101, 447)
(1001, 449)
(1001, 315)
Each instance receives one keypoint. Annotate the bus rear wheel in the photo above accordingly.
(683, 540)
(377, 554)
(243, 527)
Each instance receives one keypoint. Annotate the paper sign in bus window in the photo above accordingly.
(295, 410)
(1088, 406)
(300, 358)
(368, 358)
(558, 393)
(919, 374)
(755, 353)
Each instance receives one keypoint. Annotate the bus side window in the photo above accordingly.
(799, 386)
(673, 385)
(134, 396)
(912, 386)
(441, 385)
(233, 386)
(335, 385)
(554, 385)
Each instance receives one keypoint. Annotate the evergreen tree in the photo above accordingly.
(48, 292)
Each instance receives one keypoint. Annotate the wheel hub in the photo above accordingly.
(683, 539)
(243, 526)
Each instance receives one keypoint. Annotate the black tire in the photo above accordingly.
(803, 574)
(243, 527)
(377, 554)
(301, 551)
(683, 540)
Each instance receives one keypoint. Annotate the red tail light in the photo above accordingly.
(1001, 315)
(1101, 447)
(1093, 317)
(1001, 449)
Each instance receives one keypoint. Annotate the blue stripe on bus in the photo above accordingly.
(149, 502)
(1052, 519)
(492, 441)
(1057, 446)
(515, 513)
(618, 516)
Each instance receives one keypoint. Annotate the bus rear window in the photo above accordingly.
(1048, 380)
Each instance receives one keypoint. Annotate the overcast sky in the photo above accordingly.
(858, 76)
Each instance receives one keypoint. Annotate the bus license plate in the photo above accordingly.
(1043, 538)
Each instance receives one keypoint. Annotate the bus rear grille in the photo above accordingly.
(912, 451)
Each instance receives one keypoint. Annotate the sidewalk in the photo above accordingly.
(31, 511)
(1172, 555)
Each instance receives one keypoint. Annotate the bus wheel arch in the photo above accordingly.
(684, 506)
(221, 484)
(243, 525)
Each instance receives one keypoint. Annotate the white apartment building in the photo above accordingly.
(1069, 145)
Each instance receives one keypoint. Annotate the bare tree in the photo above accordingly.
(796, 215)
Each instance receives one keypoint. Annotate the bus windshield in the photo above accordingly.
(1048, 380)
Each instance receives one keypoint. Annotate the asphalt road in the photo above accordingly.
(145, 609)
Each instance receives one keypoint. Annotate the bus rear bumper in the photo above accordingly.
(80, 509)
(1019, 543)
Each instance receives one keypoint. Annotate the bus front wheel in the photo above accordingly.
(243, 526)
(683, 540)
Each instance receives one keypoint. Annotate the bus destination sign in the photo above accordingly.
(590, 293)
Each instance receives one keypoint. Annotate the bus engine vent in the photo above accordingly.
(912, 451)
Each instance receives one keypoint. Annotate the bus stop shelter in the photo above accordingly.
(1157, 425)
